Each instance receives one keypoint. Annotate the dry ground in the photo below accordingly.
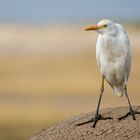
(114, 129)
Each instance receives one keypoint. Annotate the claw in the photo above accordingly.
(90, 121)
(94, 120)
(132, 113)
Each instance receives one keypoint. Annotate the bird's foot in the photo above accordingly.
(95, 120)
(132, 113)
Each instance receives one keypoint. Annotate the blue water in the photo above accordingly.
(54, 11)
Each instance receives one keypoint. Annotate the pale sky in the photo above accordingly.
(50, 11)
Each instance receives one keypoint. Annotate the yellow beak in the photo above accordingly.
(94, 27)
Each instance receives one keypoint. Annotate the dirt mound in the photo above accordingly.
(126, 129)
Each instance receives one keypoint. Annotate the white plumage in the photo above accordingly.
(113, 54)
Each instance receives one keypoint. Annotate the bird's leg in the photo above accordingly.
(130, 112)
(97, 115)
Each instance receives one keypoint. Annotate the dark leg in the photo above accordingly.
(97, 115)
(130, 112)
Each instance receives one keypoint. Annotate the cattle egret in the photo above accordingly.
(113, 56)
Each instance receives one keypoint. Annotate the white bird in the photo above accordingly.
(113, 56)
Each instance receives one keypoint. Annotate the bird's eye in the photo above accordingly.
(105, 25)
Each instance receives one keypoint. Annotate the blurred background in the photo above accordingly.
(48, 70)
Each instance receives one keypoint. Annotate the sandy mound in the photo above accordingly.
(126, 129)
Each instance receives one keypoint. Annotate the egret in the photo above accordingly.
(113, 56)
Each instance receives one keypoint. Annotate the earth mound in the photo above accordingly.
(114, 129)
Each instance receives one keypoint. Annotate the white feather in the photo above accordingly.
(113, 55)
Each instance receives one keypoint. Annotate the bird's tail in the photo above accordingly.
(118, 90)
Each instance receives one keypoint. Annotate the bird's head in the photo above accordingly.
(104, 27)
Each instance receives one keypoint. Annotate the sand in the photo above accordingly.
(126, 129)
